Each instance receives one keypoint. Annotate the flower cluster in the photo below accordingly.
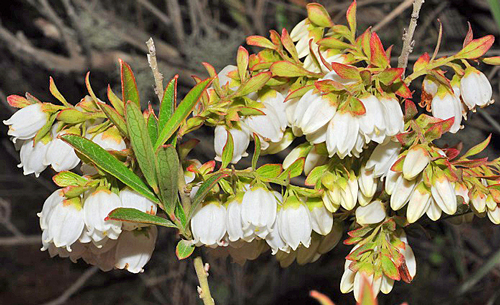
(359, 154)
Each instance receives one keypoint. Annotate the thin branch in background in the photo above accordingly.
(154, 67)
(155, 11)
(174, 12)
(63, 298)
(87, 50)
(422, 30)
(396, 12)
(21, 240)
(408, 41)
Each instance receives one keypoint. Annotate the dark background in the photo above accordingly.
(66, 38)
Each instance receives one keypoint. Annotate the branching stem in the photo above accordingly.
(408, 36)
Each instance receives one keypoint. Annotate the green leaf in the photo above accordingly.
(182, 112)
(367, 296)
(204, 190)
(294, 170)
(227, 151)
(477, 148)
(389, 268)
(181, 215)
(129, 85)
(288, 69)
(256, 153)
(315, 175)
(476, 48)
(318, 15)
(45, 128)
(254, 84)
(115, 101)
(167, 106)
(67, 178)
(108, 163)
(114, 117)
(184, 249)
(269, 170)
(55, 92)
(153, 128)
(167, 168)
(141, 143)
(136, 216)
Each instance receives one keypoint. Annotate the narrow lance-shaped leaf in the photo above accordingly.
(227, 151)
(182, 112)
(167, 106)
(115, 101)
(136, 216)
(256, 153)
(108, 163)
(153, 128)
(477, 148)
(242, 62)
(67, 178)
(167, 168)
(184, 249)
(141, 143)
(45, 128)
(476, 48)
(318, 15)
(288, 69)
(254, 84)
(115, 118)
(204, 190)
(129, 85)
(378, 55)
(351, 17)
(55, 92)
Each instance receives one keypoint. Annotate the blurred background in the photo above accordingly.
(66, 38)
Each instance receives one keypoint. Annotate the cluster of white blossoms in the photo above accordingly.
(77, 228)
(355, 159)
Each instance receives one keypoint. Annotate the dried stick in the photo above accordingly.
(63, 298)
(203, 279)
(154, 67)
(408, 36)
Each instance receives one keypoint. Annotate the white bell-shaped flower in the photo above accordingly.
(331, 199)
(415, 162)
(60, 155)
(401, 192)
(321, 218)
(342, 134)
(475, 88)
(26, 122)
(258, 210)
(446, 105)
(274, 239)
(478, 200)
(294, 223)
(419, 202)
(383, 157)
(54, 199)
(134, 200)
(371, 214)
(32, 156)
(234, 224)
(109, 139)
(65, 224)
(241, 140)
(434, 212)
(301, 35)
(367, 182)
(313, 112)
(275, 100)
(375, 284)
(373, 120)
(393, 114)
(224, 78)
(443, 193)
(313, 159)
(134, 249)
(349, 192)
(96, 208)
(209, 224)
(267, 126)
(494, 215)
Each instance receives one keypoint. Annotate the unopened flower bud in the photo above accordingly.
(415, 162)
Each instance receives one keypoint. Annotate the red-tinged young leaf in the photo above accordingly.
(288, 69)
(366, 76)
(182, 112)
(260, 41)
(378, 56)
(334, 43)
(184, 249)
(421, 62)
(364, 42)
(469, 36)
(436, 130)
(294, 170)
(410, 110)
(328, 85)
(256, 152)
(388, 51)
(390, 75)
(314, 58)
(203, 191)
(494, 61)
(207, 167)
(478, 148)
(405, 273)
(269, 170)
(471, 163)
(254, 84)
(32, 98)
(345, 71)
(401, 89)
(275, 37)
(476, 48)
(73, 116)
(360, 232)
(137, 216)
(406, 138)
(67, 178)
(352, 241)
(441, 78)
(289, 45)
(398, 165)
(298, 93)
(318, 15)
(356, 106)
(351, 17)
(55, 93)
(129, 85)
(115, 101)
(242, 62)
(18, 101)
(321, 298)
(227, 151)
(367, 296)
(451, 152)
(389, 268)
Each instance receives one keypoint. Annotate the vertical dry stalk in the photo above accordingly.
(408, 36)
(154, 67)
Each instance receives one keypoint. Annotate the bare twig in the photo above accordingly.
(155, 11)
(20, 240)
(174, 12)
(75, 287)
(154, 67)
(408, 36)
(202, 278)
(396, 12)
